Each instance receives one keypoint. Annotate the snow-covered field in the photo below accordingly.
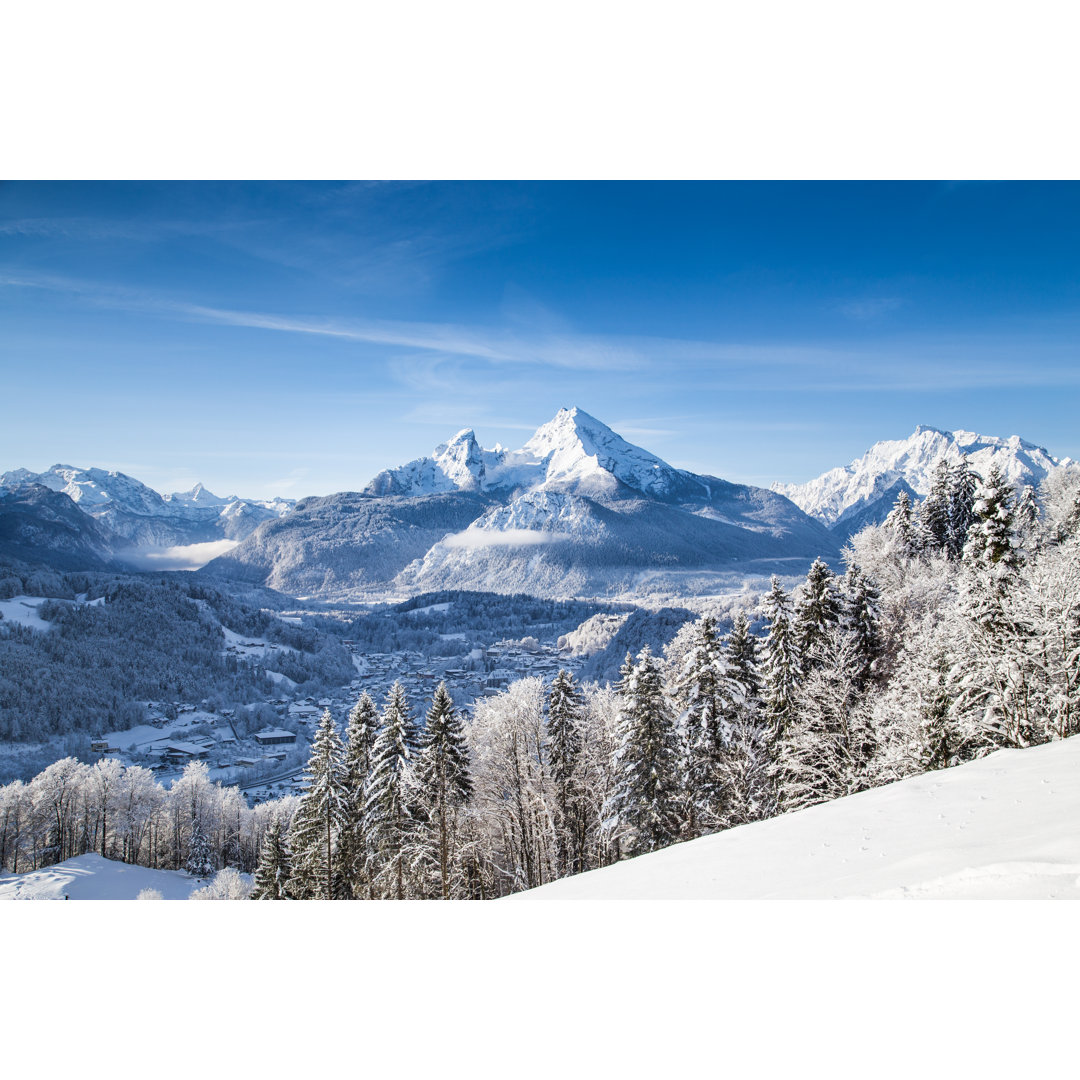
(1007, 826)
(90, 877)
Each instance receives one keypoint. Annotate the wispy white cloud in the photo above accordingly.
(432, 355)
(473, 539)
(182, 557)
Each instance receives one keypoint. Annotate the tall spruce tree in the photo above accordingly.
(359, 749)
(935, 513)
(903, 524)
(389, 806)
(745, 767)
(991, 539)
(564, 751)
(200, 860)
(781, 670)
(963, 485)
(275, 865)
(706, 696)
(817, 612)
(319, 819)
(644, 805)
(443, 782)
(862, 621)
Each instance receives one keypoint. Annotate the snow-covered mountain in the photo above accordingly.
(577, 509)
(1000, 827)
(854, 495)
(572, 453)
(137, 514)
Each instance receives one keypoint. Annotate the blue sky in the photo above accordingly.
(297, 338)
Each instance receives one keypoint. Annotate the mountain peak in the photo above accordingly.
(868, 484)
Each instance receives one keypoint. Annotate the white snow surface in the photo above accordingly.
(91, 877)
(843, 491)
(1005, 826)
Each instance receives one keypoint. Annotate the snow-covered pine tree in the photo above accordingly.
(745, 767)
(200, 860)
(359, 747)
(565, 709)
(743, 658)
(706, 697)
(861, 618)
(990, 556)
(1027, 522)
(316, 827)
(275, 866)
(817, 611)
(963, 484)
(902, 523)
(389, 798)
(935, 512)
(828, 749)
(781, 669)
(643, 809)
(444, 787)
(991, 538)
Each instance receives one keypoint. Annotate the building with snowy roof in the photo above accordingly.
(275, 737)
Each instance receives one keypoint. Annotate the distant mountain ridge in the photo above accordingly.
(847, 498)
(577, 510)
(134, 514)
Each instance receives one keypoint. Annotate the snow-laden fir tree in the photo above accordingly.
(565, 708)
(781, 667)
(861, 619)
(817, 612)
(443, 789)
(317, 825)
(963, 485)
(359, 748)
(706, 696)
(991, 538)
(903, 524)
(275, 866)
(200, 860)
(643, 809)
(935, 512)
(744, 659)
(1027, 522)
(828, 749)
(389, 805)
(745, 767)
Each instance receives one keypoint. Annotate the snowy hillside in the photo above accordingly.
(866, 489)
(90, 877)
(1007, 825)
(577, 510)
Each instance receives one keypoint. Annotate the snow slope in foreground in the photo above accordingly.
(90, 877)
(1005, 826)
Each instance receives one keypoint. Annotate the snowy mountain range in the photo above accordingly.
(133, 514)
(577, 510)
(847, 498)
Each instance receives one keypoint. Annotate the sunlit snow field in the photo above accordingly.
(1006, 826)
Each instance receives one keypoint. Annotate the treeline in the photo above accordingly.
(123, 813)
